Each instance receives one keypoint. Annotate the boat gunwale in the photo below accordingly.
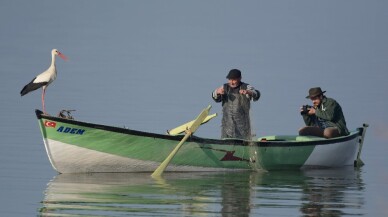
(203, 141)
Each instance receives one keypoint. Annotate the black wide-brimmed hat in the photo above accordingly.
(315, 91)
(234, 74)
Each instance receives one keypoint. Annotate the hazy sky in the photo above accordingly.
(159, 60)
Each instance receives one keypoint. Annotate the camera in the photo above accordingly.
(305, 109)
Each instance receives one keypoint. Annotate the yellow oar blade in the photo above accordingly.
(198, 121)
(192, 128)
(183, 127)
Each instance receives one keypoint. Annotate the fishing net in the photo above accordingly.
(236, 120)
(236, 123)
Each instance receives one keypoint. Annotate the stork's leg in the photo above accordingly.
(43, 93)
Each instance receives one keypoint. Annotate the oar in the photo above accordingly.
(197, 122)
(183, 127)
(358, 162)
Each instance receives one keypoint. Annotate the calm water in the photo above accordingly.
(152, 65)
(310, 193)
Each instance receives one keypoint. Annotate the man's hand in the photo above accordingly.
(220, 90)
(311, 111)
(246, 92)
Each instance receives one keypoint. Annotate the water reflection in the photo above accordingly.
(292, 193)
(331, 192)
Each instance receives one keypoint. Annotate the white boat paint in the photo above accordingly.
(334, 155)
(67, 158)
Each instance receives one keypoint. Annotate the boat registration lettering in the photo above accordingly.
(70, 130)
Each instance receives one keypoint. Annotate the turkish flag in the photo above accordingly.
(50, 124)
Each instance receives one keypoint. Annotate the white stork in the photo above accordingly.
(45, 78)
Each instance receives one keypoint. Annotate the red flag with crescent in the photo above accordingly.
(50, 124)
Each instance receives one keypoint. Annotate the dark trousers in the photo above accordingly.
(329, 132)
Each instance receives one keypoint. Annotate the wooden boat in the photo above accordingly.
(79, 147)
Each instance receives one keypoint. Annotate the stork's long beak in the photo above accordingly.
(62, 56)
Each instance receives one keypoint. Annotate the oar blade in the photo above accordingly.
(198, 121)
(194, 126)
(183, 127)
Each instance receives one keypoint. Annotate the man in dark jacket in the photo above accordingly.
(325, 118)
(235, 97)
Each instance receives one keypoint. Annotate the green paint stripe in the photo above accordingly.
(271, 158)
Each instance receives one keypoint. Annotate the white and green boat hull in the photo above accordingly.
(79, 147)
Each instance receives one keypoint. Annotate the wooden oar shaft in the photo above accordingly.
(192, 128)
(159, 171)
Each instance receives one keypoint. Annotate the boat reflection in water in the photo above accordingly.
(331, 192)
